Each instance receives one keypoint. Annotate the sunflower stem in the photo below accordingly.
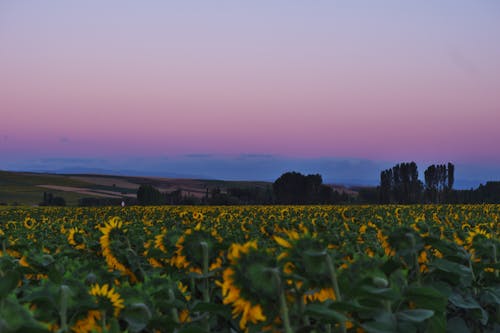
(206, 291)
(206, 294)
(103, 318)
(413, 242)
(495, 260)
(175, 313)
(333, 277)
(335, 284)
(4, 247)
(283, 306)
(494, 247)
(63, 311)
(302, 309)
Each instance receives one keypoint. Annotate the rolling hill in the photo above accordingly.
(27, 188)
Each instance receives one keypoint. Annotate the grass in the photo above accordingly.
(21, 188)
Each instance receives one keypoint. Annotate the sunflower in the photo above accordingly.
(114, 226)
(306, 267)
(383, 240)
(109, 294)
(319, 295)
(91, 323)
(189, 253)
(244, 284)
(197, 216)
(423, 261)
(29, 223)
(75, 238)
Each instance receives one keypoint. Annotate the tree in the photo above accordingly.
(385, 186)
(148, 195)
(295, 188)
(439, 181)
(451, 175)
(50, 200)
(400, 184)
(290, 188)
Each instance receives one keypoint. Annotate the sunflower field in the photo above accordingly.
(285, 269)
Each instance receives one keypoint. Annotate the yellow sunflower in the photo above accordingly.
(108, 293)
(91, 323)
(246, 284)
(312, 268)
(29, 223)
(113, 263)
(73, 241)
(189, 253)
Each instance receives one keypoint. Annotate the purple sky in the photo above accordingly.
(301, 80)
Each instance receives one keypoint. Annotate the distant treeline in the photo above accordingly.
(398, 185)
(401, 185)
(290, 188)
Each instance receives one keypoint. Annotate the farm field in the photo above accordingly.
(27, 188)
(422, 268)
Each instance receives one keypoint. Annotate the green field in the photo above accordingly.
(23, 188)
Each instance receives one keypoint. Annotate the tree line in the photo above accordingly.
(398, 185)
(401, 184)
(290, 188)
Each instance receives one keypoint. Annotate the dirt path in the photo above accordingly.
(87, 191)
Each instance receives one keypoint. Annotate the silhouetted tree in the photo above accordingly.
(50, 200)
(295, 188)
(400, 184)
(451, 175)
(148, 195)
(431, 183)
(385, 187)
(439, 181)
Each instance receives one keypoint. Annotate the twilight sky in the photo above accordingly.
(313, 82)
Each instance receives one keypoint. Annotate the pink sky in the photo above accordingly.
(407, 81)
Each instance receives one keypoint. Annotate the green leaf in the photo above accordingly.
(470, 304)
(381, 293)
(457, 325)
(348, 306)
(379, 327)
(323, 312)
(55, 275)
(9, 282)
(193, 329)
(14, 318)
(415, 316)
(218, 309)
(458, 271)
(427, 298)
(137, 316)
(437, 324)
(464, 303)
(31, 329)
(491, 296)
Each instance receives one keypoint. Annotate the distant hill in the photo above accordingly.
(27, 188)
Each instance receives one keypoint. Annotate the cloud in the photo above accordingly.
(71, 160)
(259, 156)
